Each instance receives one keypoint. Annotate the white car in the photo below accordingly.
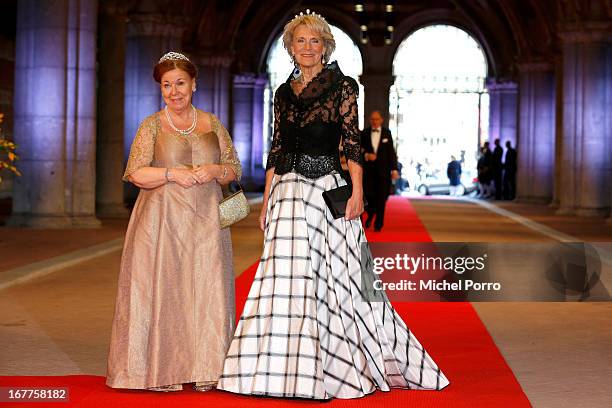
(437, 183)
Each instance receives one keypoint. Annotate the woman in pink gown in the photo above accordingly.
(174, 313)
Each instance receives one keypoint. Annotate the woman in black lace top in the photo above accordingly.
(306, 330)
(310, 121)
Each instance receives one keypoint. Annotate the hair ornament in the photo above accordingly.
(173, 56)
(308, 13)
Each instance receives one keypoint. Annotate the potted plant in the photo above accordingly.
(7, 153)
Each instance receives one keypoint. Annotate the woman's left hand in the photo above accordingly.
(354, 207)
(205, 173)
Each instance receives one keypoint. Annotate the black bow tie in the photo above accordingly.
(375, 130)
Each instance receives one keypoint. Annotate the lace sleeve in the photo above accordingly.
(143, 147)
(229, 156)
(350, 121)
(276, 139)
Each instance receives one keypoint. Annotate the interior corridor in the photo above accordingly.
(58, 324)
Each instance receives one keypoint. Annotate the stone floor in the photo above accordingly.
(561, 353)
(59, 323)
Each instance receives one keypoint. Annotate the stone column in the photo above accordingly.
(149, 36)
(376, 89)
(586, 173)
(247, 129)
(213, 86)
(609, 115)
(111, 94)
(503, 97)
(258, 172)
(55, 113)
(535, 176)
(554, 204)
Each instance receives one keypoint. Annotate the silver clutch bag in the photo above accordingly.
(233, 208)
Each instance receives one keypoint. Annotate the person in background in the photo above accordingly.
(453, 171)
(380, 168)
(401, 184)
(484, 168)
(498, 154)
(510, 172)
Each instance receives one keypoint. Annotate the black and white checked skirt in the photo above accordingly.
(306, 330)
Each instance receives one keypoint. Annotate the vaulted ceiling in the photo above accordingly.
(509, 31)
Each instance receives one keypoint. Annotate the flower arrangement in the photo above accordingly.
(7, 153)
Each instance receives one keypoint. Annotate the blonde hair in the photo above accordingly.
(316, 24)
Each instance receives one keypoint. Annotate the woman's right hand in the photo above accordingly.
(262, 216)
(183, 177)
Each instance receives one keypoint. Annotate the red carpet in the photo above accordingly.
(451, 332)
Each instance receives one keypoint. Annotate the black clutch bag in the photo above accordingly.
(336, 200)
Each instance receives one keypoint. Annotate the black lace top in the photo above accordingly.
(308, 127)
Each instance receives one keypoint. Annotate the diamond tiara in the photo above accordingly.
(173, 56)
(308, 13)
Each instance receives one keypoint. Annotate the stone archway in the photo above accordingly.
(438, 103)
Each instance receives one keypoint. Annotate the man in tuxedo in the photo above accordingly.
(380, 167)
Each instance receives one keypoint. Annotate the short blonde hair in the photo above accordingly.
(314, 23)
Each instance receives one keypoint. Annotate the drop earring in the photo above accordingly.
(297, 72)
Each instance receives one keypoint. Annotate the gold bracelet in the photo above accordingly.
(224, 172)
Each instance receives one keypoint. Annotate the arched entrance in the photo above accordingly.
(279, 68)
(438, 104)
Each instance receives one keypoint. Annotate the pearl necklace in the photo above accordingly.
(186, 131)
